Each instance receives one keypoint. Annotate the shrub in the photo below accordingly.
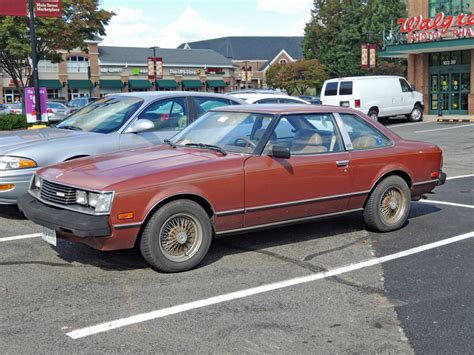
(12, 122)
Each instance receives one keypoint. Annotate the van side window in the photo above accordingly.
(331, 89)
(362, 134)
(405, 86)
(345, 88)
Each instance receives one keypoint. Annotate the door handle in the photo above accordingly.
(342, 163)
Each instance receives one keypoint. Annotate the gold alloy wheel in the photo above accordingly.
(180, 237)
(392, 205)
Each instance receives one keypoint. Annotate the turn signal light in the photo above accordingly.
(128, 215)
(5, 187)
(27, 163)
(435, 175)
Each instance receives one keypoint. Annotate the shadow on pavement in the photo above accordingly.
(11, 212)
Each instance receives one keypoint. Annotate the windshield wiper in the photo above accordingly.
(72, 128)
(207, 146)
(167, 141)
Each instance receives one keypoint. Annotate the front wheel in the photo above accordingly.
(373, 114)
(177, 237)
(388, 205)
(416, 114)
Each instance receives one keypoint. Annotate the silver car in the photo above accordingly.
(113, 123)
(4, 109)
(57, 111)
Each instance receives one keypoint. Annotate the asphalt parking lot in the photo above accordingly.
(326, 287)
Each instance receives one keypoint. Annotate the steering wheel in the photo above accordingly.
(246, 140)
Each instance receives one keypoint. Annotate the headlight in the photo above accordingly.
(81, 197)
(37, 182)
(100, 202)
(104, 202)
(11, 163)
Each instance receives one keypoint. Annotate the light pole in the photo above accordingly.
(154, 66)
(34, 59)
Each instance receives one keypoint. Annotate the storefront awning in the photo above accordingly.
(216, 83)
(402, 50)
(139, 84)
(80, 84)
(191, 84)
(50, 84)
(111, 84)
(166, 84)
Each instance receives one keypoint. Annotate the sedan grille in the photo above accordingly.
(59, 194)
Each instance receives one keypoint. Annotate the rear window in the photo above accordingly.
(345, 88)
(331, 89)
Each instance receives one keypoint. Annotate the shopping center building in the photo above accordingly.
(437, 39)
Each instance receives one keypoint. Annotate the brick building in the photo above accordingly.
(440, 51)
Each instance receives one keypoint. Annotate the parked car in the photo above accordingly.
(257, 91)
(16, 109)
(237, 169)
(4, 109)
(270, 99)
(78, 103)
(376, 96)
(113, 123)
(311, 99)
(57, 111)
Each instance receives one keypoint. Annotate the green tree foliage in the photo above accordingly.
(297, 76)
(81, 21)
(338, 28)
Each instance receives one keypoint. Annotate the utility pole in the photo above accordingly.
(34, 59)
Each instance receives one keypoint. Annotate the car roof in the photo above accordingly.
(152, 95)
(246, 96)
(365, 77)
(283, 109)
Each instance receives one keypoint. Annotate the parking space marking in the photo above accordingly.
(446, 203)
(143, 317)
(406, 124)
(442, 129)
(459, 177)
(18, 237)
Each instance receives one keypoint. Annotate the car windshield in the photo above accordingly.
(103, 116)
(236, 132)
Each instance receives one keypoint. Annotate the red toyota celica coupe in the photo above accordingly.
(236, 169)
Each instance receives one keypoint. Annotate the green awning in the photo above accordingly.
(139, 84)
(50, 84)
(402, 50)
(191, 84)
(167, 84)
(111, 84)
(80, 84)
(216, 83)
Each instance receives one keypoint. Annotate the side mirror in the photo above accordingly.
(280, 152)
(413, 88)
(141, 126)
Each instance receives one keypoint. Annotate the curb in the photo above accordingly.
(454, 120)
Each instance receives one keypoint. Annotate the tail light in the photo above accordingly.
(50, 110)
(357, 103)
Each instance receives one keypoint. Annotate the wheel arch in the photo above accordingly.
(395, 172)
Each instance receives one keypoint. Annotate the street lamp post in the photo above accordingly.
(154, 67)
(34, 59)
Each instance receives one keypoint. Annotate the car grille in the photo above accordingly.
(56, 193)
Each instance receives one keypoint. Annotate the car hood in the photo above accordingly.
(27, 138)
(102, 171)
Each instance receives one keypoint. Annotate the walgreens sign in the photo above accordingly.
(440, 27)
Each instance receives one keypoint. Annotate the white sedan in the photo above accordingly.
(270, 99)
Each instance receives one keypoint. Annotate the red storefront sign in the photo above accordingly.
(12, 7)
(155, 67)
(43, 8)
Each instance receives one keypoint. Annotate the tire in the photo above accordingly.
(373, 114)
(388, 205)
(416, 114)
(186, 229)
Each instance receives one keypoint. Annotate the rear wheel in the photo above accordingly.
(388, 206)
(177, 237)
(374, 114)
(416, 114)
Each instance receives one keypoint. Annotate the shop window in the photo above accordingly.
(46, 66)
(53, 93)
(434, 59)
(449, 7)
(466, 57)
(77, 64)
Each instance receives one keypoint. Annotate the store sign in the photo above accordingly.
(43, 8)
(110, 70)
(155, 67)
(30, 104)
(183, 72)
(12, 8)
(440, 27)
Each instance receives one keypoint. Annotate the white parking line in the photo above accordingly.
(143, 317)
(18, 237)
(406, 124)
(442, 129)
(459, 177)
(446, 203)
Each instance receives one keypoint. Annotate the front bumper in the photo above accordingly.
(64, 221)
(21, 179)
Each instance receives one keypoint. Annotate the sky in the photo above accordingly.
(168, 23)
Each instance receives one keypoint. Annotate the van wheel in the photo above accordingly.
(416, 114)
(388, 205)
(373, 114)
(177, 237)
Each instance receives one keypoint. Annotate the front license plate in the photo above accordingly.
(49, 236)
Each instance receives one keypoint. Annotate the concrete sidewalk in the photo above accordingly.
(449, 118)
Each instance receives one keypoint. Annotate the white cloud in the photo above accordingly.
(297, 28)
(285, 6)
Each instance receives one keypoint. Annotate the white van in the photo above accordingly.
(376, 96)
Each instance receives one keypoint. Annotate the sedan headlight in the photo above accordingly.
(100, 202)
(12, 163)
(36, 183)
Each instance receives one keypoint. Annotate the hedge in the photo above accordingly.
(12, 122)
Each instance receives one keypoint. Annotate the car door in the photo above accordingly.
(315, 180)
(169, 116)
(408, 100)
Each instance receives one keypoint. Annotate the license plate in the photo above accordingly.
(49, 236)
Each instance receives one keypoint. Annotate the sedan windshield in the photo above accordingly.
(236, 132)
(103, 116)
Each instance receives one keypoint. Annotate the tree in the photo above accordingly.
(81, 21)
(297, 76)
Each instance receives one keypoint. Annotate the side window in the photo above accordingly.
(331, 89)
(308, 134)
(405, 86)
(345, 88)
(362, 134)
(167, 115)
(267, 101)
(204, 104)
(290, 101)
